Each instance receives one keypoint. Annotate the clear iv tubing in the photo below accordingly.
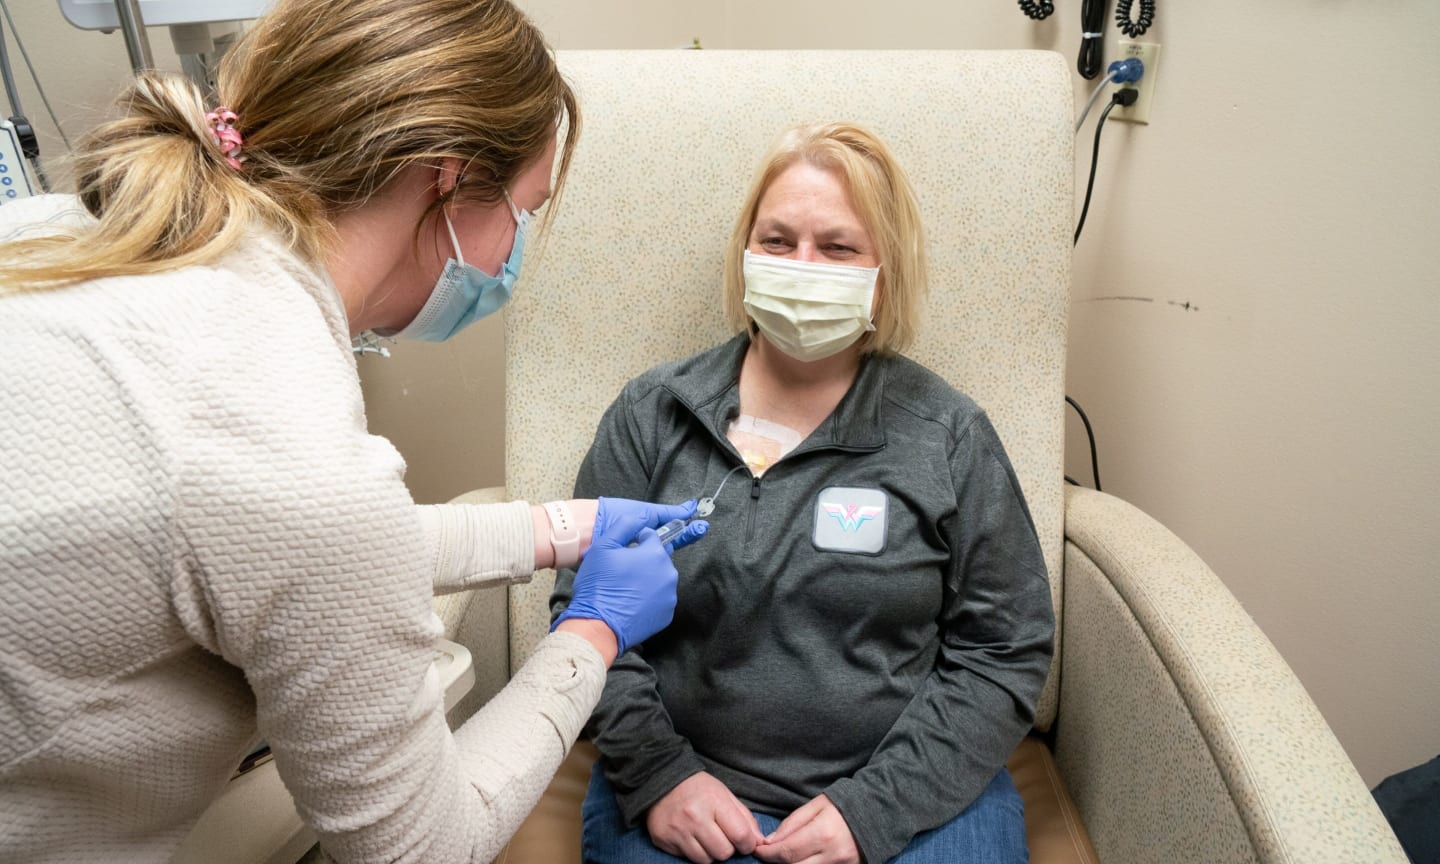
(707, 504)
(670, 530)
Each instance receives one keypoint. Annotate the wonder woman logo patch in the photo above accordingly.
(852, 516)
(850, 519)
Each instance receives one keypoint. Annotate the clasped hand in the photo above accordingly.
(701, 820)
(814, 834)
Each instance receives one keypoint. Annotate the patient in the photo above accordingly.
(860, 641)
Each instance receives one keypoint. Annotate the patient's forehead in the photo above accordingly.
(807, 197)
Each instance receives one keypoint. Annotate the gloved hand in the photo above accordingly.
(630, 588)
(611, 510)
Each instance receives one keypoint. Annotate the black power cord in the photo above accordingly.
(1037, 10)
(1134, 28)
(1089, 433)
(1123, 96)
(1092, 39)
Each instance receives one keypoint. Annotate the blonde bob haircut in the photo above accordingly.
(880, 194)
(334, 99)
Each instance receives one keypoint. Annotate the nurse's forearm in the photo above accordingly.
(596, 632)
(582, 510)
(544, 552)
(478, 545)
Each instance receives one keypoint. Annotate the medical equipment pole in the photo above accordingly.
(17, 127)
(132, 23)
(11, 91)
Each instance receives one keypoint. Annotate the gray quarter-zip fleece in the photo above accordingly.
(801, 660)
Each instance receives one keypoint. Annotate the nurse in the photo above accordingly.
(199, 542)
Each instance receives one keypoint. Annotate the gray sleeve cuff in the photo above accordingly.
(877, 841)
(635, 803)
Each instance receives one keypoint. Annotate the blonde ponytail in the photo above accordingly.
(164, 195)
(334, 98)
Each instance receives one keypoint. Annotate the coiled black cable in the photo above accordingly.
(1037, 10)
(1092, 39)
(1134, 28)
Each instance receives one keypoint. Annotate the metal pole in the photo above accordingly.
(133, 25)
(10, 89)
(29, 145)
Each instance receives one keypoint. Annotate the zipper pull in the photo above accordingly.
(754, 488)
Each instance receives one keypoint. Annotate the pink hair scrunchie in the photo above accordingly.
(222, 129)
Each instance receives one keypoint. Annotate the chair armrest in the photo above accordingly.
(487, 495)
(479, 620)
(1182, 733)
(456, 669)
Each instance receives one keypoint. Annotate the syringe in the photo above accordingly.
(673, 529)
(670, 530)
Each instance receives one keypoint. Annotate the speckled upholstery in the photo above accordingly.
(630, 276)
(1181, 733)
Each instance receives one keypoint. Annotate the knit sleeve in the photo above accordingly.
(478, 545)
(306, 567)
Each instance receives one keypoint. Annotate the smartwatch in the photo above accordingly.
(564, 534)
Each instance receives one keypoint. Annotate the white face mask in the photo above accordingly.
(810, 311)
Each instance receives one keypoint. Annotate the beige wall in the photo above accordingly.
(79, 69)
(1288, 190)
(1287, 428)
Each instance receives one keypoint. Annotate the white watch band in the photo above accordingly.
(564, 533)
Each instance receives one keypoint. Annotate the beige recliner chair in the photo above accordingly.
(1170, 728)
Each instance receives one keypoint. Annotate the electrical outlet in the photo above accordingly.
(1149, 54)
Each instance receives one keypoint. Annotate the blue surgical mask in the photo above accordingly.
(464, 293)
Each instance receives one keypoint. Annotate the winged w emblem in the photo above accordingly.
(851, 516)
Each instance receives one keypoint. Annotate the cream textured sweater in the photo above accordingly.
(200, 543)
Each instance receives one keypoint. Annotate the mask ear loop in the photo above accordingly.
(454, 241)
(514, 211)
(874, 295)
(445, 211)
(707, 504)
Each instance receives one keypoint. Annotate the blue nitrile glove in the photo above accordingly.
(630, 588)
(655, 515)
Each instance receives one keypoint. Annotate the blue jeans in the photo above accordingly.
(990, 831)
